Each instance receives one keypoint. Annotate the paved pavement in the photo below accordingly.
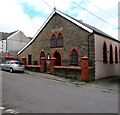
(109, 84)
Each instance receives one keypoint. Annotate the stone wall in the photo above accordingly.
(74, 74)
(74, 37)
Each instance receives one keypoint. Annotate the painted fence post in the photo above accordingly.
(52, 64)
(43, 64)
(84, 68)
(24, 60)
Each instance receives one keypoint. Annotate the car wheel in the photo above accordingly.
(2, 69)
(11, 70)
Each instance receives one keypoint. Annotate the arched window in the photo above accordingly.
(74, 57)
(104, 53)
(111, 54)
(60, 40)
(116, 55)
(53, 41)
(42, 54)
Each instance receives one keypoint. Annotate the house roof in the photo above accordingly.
(85, 26)
(5, 35)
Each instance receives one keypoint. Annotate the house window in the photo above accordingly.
(74, 57)
(104, 53)
(111, 54)
(2, 46)
(60, 40)
(116, 55)
(53, 41)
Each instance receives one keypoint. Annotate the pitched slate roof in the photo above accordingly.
(94, 29)
(4, 35)
(85, 26)
(97, 31)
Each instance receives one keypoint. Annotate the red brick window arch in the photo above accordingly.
(56, 40)
(104, 53)
(116, 55)
(53, 40)
(111, 54)
(74, 56)
(60, 39)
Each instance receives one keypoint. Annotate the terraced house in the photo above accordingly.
(11, 43)
(68, 39)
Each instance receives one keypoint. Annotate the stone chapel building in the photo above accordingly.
(68, 39)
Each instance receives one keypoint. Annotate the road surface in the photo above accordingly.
(26, 93)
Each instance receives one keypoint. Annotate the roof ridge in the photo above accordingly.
(95, 29)
(90, 26)
(5, 35)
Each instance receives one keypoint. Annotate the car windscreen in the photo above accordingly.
(19, 63)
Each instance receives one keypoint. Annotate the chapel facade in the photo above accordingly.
(68, 39)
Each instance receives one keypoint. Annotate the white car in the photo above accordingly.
(13, 65)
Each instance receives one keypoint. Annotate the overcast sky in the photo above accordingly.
(29, 15)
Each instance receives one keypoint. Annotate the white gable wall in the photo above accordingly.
(102, 69)
(16, 42)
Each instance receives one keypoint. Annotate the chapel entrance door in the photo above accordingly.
(58, 58)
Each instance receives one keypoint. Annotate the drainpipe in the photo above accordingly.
(88, 42)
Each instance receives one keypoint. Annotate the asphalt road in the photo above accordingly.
(26, 93)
